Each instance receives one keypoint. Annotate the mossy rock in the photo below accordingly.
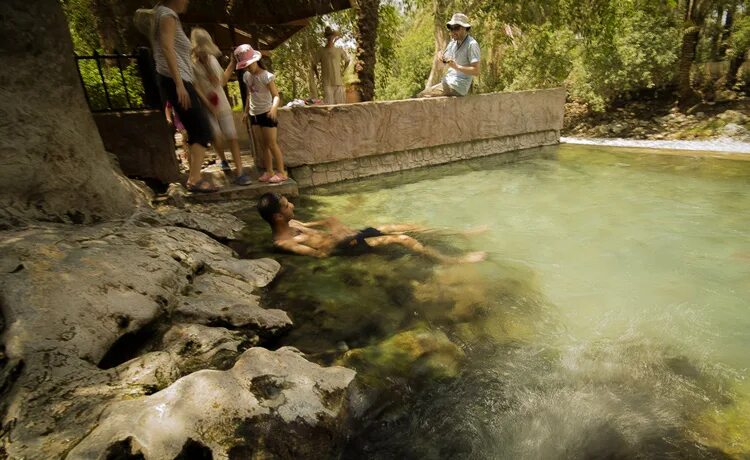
(417, 352)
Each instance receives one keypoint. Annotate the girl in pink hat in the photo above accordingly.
(262, 108)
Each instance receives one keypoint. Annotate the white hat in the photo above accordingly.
(246, 55)
(459, 19)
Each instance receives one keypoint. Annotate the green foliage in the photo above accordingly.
(739, 41)
(389, 28)
(116, 84)
(412, 58)
(82, 25)
(641, 54)
(600, 49)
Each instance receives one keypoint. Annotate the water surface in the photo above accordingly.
(611, 318)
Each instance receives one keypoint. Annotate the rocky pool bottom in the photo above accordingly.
(610, 320)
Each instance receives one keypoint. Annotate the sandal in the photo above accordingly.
(243, 180)
(202, 186)
(265, 177)
(277, 179)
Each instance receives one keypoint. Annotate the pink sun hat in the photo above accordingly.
(246, 55)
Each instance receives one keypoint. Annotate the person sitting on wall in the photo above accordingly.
(310, 238)
(462, 56)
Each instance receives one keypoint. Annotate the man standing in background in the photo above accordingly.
(330, 57)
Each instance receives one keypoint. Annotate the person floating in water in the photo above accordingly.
(330, 237)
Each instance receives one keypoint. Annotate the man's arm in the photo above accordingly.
(300, 249)
(345, 55)
(471, 69)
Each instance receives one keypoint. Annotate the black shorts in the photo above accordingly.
(263, 120)
(357, 244)
(195, 118)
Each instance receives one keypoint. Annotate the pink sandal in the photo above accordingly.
(277, 179)
(265, 177)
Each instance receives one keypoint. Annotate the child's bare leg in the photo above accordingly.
(415, 246)
(234, 146)
(219, 147)
(261, 162)
(270, 134)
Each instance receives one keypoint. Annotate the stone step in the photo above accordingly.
(245, 192)
(230, 191)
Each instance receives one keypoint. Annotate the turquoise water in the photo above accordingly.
(611, 318)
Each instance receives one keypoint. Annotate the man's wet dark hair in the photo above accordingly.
(268, 205)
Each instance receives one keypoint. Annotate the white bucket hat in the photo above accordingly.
(459, 19)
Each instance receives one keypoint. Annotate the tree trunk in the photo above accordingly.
(53, 165)
(686, 93)
(727, 30)
(716, 36)
(367, 34)
(312, 82)
(439, 8)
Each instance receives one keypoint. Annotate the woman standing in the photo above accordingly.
(210, 80)
(172, 51)
(262, 106)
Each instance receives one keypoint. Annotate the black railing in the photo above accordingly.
(119, 82)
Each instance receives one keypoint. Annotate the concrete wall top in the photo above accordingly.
(322, 134)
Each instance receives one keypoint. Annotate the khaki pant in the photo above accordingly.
(440, 89)
(334, 95)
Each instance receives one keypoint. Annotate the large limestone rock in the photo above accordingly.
(219, 410)
(53, 165)
(85, 310)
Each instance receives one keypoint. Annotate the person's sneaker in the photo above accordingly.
(243, 180)
(225, 166)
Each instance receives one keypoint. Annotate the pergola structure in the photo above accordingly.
(264, 24)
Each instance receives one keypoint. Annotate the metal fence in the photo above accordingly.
(119, 82)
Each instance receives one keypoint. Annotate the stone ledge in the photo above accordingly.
(356, 168)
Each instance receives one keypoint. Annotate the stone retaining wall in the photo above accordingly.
(143, 143)
(324, 144)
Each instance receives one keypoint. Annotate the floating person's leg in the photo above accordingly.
(417, 247)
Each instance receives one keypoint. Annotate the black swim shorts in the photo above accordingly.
(357, 243)
(263, 120)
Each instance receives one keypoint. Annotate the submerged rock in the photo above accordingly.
(234, 413)
(412, 353)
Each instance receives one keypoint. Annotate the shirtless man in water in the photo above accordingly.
(326, 237)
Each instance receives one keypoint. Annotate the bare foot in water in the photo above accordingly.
(475, 230)
(472, 257)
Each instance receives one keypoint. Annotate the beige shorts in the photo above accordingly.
(438, 90)
(334, 95)
(223, 125)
